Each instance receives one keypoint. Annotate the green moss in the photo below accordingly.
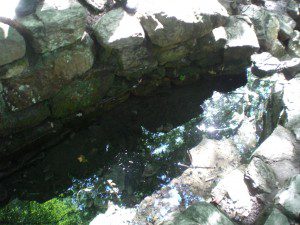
(79, 95)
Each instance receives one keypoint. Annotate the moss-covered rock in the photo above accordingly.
(80, 95)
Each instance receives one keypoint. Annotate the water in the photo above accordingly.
(124, 155)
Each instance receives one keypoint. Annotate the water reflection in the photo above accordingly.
(122, 156)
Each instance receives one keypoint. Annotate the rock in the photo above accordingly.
(242, 43)
(264, 64)
(290, 67)
(175, 53)
(169, 24)
(114, 215)
(210, 159)
(246, 138)
(287, 25)
(112, 32)
(80, 95)
(260, 176)
(12, 44)
(55, 25)
(209, 49)
(294, 44)
(12, 122)
(291, 103)
(276, 218)
(14, 69)
(292, 9)
(26, 7)
(278, 50)
(51, 73)
(97, 6)
(288, 199)
(265, 24)
(281, 153)
(233, 197)
(201, 213)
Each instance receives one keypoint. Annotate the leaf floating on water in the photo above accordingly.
(82, 159)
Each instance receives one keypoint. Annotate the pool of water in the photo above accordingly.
(122, 155)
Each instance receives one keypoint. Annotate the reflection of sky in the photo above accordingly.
(7, 8)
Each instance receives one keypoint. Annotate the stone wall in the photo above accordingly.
(60, 59)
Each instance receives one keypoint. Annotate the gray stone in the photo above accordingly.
(242, 43)
(276, 218)
(278, 50)
(201, 213)
(294, 44)
(12, 44)
(281, 153)
(265, 24)
(287, 25)
(112, 32)
(291, 103)
(169, 24)
(264, 64)
(55, 24)
(14, 69)
(233, 197)
(117, 30)
(288, 199)
(96, 5)
(51, 73)
(208, 50)
(260, 176)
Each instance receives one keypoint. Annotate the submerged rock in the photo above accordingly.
(12, 44)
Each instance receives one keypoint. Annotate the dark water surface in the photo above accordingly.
(121, 156)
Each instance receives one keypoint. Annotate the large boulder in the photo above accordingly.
(12, 44)
(209, 49)
(280, 152)
(288, 199)
(291, 103)
(276, 218)
(294, 44)
(169, 23)
(260, 176)
(113, 33)
(242, 43)
(201, 213)
(51, 73)
(234, 198)
(265, 24)
(55, 24)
